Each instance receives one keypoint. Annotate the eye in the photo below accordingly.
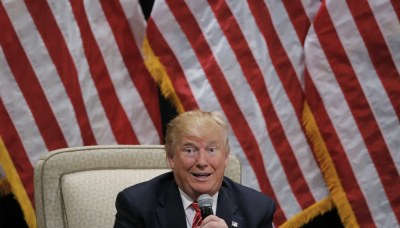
(212, 150)
(189, 151)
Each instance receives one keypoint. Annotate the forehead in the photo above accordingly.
(205, 135)
(209, 131)
(193, 140)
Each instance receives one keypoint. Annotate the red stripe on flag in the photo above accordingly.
(116, 115)
(378, 51)
(174, 69)
(138, 72)
(224, 95)
(396, 6)
(29, 85)
(338, 155)
(58, 50)
(255, 79)
(279, 58)
(299, 18)
(16, 149)
(359, 107)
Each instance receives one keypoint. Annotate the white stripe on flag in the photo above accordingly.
(127, 93)
(347, 130)
(366, 100)
(70, 31)
(390, 29)
(45, 71)
(311, 8)
(136, 20)
(375, 92)
(288, 37)
(22, 119)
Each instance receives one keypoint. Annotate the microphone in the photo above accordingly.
(205, 203)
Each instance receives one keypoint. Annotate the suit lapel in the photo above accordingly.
(227, 209)
(170, 212)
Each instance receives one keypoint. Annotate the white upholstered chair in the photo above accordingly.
(77, 187)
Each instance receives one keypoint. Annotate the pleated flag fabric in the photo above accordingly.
(352, 53)
(72, 74)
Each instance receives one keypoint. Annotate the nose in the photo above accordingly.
(202, 158)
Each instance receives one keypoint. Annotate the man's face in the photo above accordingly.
(199, 163)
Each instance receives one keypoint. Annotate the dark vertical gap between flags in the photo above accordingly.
(168, 111)
(174, 70)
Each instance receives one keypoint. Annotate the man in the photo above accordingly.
(197, 149)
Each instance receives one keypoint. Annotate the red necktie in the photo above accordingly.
(197, 218)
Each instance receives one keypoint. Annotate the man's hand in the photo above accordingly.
(213, 221)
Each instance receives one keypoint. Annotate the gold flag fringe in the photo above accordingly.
(16, 186)
(160, 75)
(308, 214)
(331, 177)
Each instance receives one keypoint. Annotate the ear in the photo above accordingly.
(226, 160)
(171, 162)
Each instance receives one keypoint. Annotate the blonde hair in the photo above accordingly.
(191, 123)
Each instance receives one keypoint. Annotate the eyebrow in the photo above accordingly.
(212, 143)
(189, 144)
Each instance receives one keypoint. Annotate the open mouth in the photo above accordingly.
(201, 176)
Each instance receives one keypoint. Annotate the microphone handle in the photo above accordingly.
(206, 211)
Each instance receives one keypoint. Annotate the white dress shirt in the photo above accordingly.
(189, 211)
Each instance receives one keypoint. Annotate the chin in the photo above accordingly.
(202, 190)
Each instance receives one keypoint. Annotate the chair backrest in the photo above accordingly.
(77, 187)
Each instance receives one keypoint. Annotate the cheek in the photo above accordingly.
(219, 164)
(185, 163)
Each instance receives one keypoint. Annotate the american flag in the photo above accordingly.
(71, 74)
(310, 89)
(352, 54)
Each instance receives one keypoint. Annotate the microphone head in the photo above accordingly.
(205, 200)
(205, 203)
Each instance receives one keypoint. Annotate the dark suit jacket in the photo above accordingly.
(157, 203)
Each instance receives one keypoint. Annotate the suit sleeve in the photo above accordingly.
(126, 214)
(267, 221)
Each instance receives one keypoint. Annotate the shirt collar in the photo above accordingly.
(186, 200)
